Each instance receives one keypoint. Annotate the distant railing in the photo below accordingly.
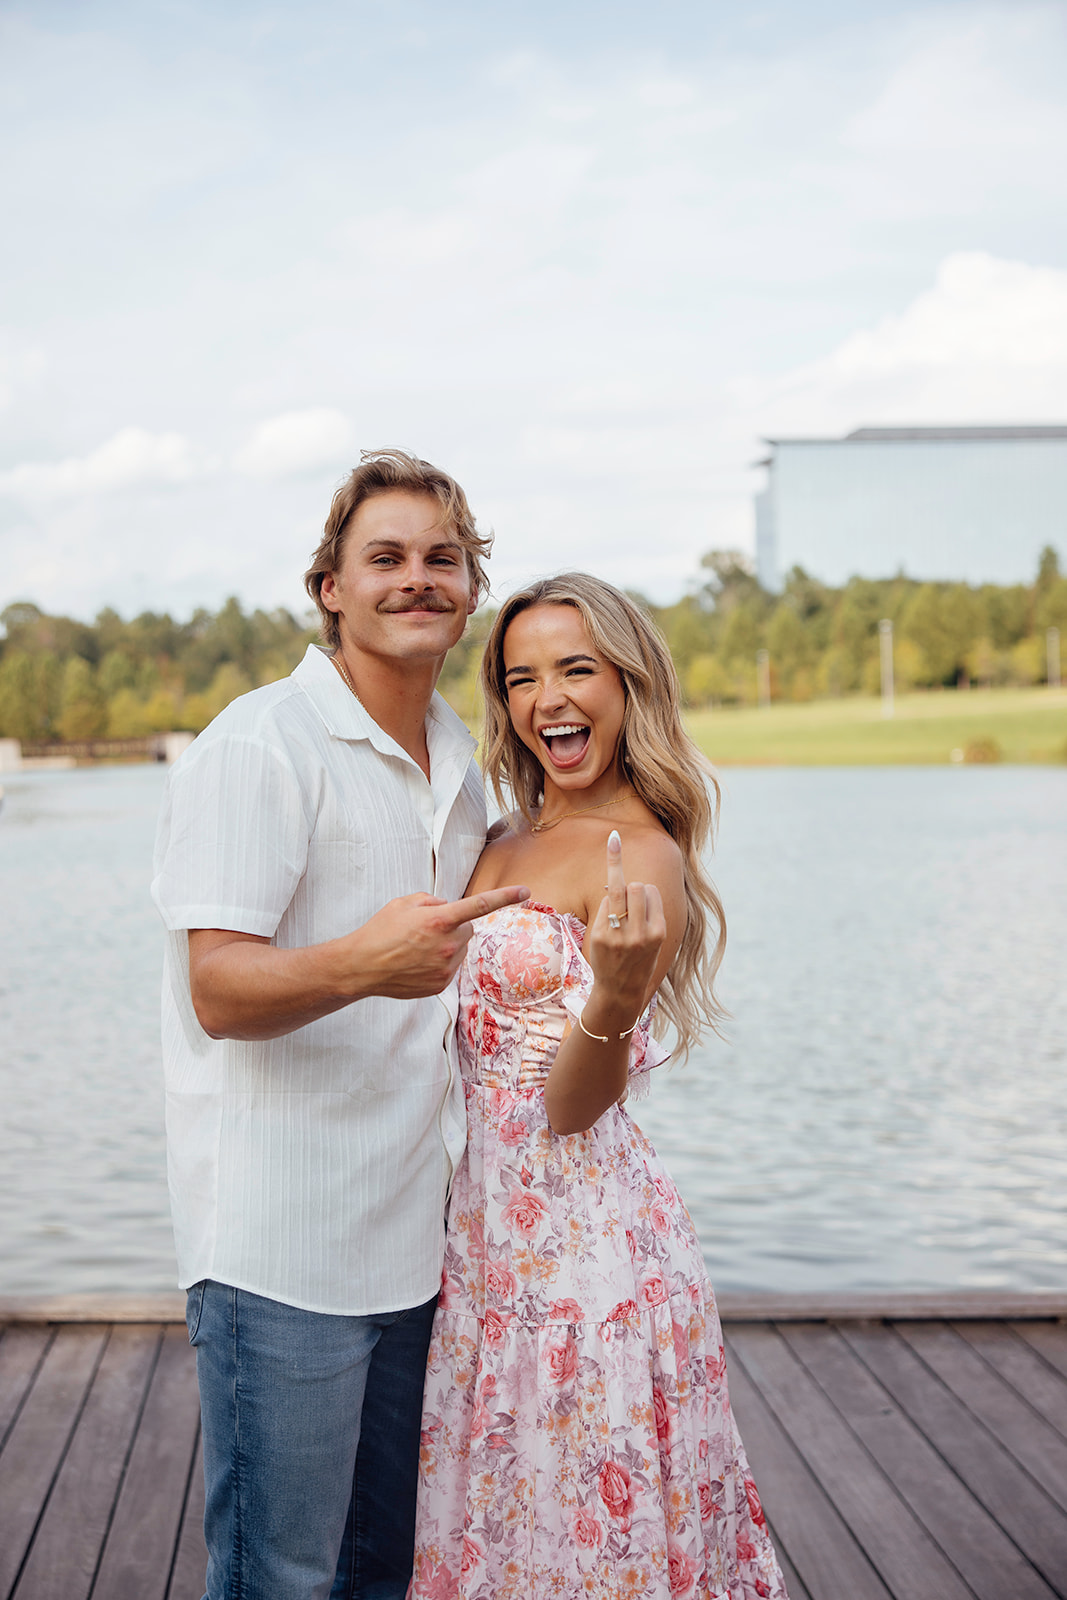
(152, 747)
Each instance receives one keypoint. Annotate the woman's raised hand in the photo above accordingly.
(627, 934)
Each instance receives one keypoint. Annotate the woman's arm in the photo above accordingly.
(629, 963)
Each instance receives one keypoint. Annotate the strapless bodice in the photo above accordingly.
(523, 985)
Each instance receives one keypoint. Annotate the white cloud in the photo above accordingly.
(986, 343)
(296, 442)
(132, 457)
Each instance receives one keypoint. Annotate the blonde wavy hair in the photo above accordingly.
(656, 756)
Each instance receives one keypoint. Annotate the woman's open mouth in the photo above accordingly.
(565, 742)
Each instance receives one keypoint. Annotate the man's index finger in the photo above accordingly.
(480, 905)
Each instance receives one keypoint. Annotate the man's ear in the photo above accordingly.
(472, 603)
(328, 593)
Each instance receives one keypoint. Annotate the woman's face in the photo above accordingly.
(566, 702)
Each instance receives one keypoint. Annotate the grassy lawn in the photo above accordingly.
(1025, 725)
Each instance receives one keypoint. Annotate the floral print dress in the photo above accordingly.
(577, 1438)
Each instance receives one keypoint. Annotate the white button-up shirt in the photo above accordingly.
(313, 1168)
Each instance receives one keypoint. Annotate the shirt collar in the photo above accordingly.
(345, 717)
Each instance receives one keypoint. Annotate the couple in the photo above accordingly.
(575, 1435)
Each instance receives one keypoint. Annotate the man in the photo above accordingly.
(313, 1112)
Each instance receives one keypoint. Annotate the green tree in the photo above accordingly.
(29, 695)
(82, 706)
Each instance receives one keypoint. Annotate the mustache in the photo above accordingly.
(425, 603)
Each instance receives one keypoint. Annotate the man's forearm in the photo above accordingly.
(243, 987)
(246, 988)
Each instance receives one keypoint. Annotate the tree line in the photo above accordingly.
(823, 641)
(61, 679)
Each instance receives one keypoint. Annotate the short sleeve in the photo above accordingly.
(233, 838)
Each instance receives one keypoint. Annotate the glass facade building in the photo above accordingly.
(971, 504)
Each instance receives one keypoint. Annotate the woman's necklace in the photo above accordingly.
(543, 827)
(338, 661)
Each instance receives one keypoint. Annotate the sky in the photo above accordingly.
(585, 256)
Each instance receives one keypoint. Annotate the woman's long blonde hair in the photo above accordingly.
(656, 756)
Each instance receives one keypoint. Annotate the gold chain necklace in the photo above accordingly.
(338, 662)
(543, 827)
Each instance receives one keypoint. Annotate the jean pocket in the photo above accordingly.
(194, 1306)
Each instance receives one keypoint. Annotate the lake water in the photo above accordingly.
(890, 1110)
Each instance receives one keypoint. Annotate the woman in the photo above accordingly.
(577, 1437)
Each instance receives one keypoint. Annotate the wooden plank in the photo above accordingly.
(965, 1531)
(1020, 1505)
(884, 1305)
(1021, 1366)
(162, 1307)
(1033, 1443)
(141, 1542)
(189, 1578)
(39, 1437)
(63, 1560)
(906, 1558)
(1049, 1339)
(21, 1352)
(810, 1531)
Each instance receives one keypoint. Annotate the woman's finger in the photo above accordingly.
(616, 881)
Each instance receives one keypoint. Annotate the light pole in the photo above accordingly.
(885, 648)
(763, 677)
(1052, 657)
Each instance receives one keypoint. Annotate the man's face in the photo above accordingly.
(403, 590)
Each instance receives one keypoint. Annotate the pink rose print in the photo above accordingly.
(494, 1328)
(566, 1310)
(524, 1212)
(442, 1586)
(680, 1571)
(661, 1222)
(754, 1504)
(746, 1551)
(614, 1486)
(586, 1529)
(560, 1359)
(661, 1411)
(512, 1134)
(490, 1034)
(623, 1311)
(500, 1103)
(653, 1291)
(481, 1416)
(707, 1503)
(665, 1189)
(500, 1280)
(473, 1556)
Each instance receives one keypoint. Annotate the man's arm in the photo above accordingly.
(243, 987)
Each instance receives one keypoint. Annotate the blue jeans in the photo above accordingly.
(311, 1444)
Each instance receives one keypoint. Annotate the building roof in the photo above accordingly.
(1037, 430)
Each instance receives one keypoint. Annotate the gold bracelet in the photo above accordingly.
(603, 1038)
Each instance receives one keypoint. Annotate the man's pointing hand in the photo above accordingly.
(413, 946)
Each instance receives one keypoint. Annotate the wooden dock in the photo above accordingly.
(906, 1447)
